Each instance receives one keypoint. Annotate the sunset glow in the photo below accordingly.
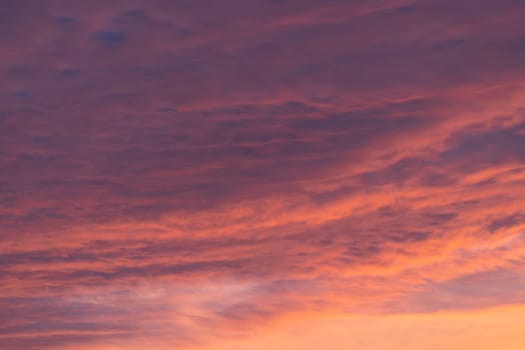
(262, 174)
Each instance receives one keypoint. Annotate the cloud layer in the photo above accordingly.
(176, 172)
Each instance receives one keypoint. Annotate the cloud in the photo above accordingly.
(110, 37)
(179, 172)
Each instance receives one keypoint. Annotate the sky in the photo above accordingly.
(262, 174)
